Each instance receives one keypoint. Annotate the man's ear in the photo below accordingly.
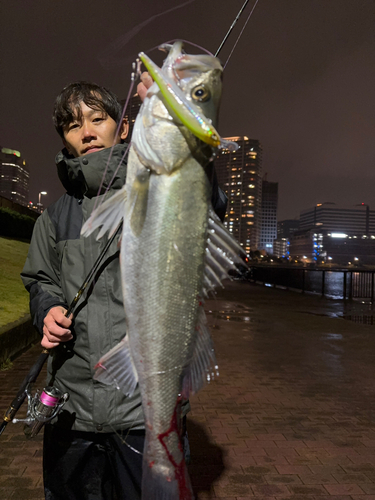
(124, 129)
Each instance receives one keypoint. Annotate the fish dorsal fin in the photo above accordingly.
(108, 215)
(202, 367)
(117, 368)
(223, 252)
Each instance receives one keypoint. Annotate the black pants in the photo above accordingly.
(90, 466)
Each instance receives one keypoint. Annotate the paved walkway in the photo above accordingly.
(292, 415)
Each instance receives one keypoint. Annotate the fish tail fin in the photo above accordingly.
(203, 366)
(108, 215)
(157, 484)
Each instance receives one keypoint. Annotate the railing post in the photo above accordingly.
(323, 282)
(344, 291)
(351, 286)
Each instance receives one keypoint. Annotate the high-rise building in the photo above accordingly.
(320, 245)
(268, 232)
(286, 227)
(280, 247)
(351, 220)
(14, 176)
(239, 175)
(329, 233)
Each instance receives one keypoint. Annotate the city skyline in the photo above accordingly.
(300, 81)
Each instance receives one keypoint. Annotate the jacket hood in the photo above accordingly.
(83, 175)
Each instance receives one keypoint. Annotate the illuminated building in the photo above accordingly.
(268, 232)
(321, 246)
(285, 229)
(239, 175)
(358, 219)
(281, 247)
(14, 176)
(337, 235)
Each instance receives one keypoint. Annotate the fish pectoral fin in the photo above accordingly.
(203, 366)
(117, 368)
(108, 215)
(223, 252)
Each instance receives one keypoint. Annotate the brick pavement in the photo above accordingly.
(291, 415)
(20, 459)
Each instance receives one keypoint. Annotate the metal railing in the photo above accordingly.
(338, 283)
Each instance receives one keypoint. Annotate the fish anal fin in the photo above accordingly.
(116, 367)
(202, 367)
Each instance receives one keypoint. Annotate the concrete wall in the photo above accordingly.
(5, 203)
(16, 337)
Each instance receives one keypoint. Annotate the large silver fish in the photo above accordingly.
(174, 250)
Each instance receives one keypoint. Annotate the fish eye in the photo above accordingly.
(200, 94)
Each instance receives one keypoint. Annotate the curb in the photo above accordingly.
(17, 337)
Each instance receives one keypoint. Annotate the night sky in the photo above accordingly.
(301, 80)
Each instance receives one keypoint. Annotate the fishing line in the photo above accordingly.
(105, 56)
(115, 172)
(122, 41)
(189, 43)
(123, 439)
(136, 72)
(243, 28)
(132, 80)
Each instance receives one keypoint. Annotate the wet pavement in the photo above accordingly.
(291, 416)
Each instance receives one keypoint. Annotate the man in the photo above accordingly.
(92, 450)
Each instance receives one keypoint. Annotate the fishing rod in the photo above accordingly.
(53, 398)
(231, 28)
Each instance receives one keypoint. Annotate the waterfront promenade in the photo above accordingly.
(291, 416)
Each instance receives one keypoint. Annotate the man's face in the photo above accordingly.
(94, 131)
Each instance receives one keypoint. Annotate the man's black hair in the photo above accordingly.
(67, 105)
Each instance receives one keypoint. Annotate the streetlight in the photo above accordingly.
(40, 200)
(40, 196)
